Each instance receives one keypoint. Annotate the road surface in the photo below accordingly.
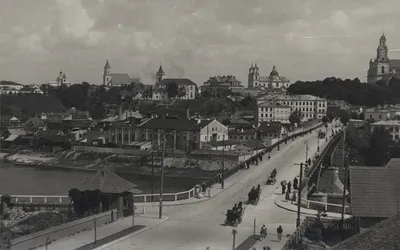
(198, 226)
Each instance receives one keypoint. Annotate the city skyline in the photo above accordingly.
(306, 40)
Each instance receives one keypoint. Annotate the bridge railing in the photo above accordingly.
(64, 199)
(324, 206)
(144, 198)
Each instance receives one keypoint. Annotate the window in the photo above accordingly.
(119, 137)
(396, 136)
(383, 69)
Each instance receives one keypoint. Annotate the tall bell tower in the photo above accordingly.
(107, 74)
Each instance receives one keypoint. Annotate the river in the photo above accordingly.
(17, 180)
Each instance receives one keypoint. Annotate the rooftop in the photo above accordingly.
(386, 123)
(108, 182)
(178, 124)
(375, 191)
(178, 81)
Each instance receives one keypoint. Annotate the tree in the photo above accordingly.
(172, 89)
(295, 117)
(379, 151)
(181, 91)
(98, 111)
(344, 117)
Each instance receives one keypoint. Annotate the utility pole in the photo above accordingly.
(318, 142)
(152, 175)
(162, 174)
(223, 162)
(234, 232)
(299, 194)
(306, 143)
(345, 181)
(257, 148)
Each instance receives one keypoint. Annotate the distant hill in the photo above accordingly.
(30, 105)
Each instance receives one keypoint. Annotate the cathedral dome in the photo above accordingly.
(274, 72)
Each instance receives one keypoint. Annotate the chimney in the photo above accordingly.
(187, 113)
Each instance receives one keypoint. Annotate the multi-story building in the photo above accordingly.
(270, 111)
(377, 114)
(382, 68)
(310, 107)
(273, 81)
(393, 126)
(340, 104)
(219, 86)
(116, 79)
(7, 87)
(182, 133)
(186, 89)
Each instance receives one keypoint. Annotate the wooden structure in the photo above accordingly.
(118, 191)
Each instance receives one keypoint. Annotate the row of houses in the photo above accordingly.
(13, 88)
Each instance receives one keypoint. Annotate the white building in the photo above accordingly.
(7, 87)
(273, 81)
(187, 89)
(282, 106)
(393, 126)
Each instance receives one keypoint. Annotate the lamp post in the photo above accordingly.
(162, 176)
(234, 232)
(299, 194)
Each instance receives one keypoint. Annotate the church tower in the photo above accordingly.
(107, 74)
(250, 80)
(159, 75)
(379, 67)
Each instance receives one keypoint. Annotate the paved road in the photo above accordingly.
(197, 226)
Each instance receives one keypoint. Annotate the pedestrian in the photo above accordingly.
(295, 183)
(283, 184)
(220, 178)
(289, 187)
(269, 156)
(248, 165)
(279, 231)
(263, 232)
(287, 196)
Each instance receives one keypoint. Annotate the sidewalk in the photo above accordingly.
(107, 234)
(292, 207)
(215, 189)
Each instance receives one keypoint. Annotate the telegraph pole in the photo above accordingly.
(345, 181)
(306, 142)
(162, 175)
(257, 148)
(223, 162)
(152, 175)
(299, 194)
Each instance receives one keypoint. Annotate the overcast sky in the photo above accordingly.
(305, 39)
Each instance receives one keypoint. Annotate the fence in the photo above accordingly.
(55, 233)
(327, 226)
(324, 206)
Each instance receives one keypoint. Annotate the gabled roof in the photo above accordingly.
(108, 182)
(179, 124)
(17, 131)
(375, 191)
(270, 127)
(120, 79)
(178, 81)
(394, 64)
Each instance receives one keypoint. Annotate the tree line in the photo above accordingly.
(352, 91)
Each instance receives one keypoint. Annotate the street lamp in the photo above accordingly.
(162, 173)
(234, 232)
(306, 143)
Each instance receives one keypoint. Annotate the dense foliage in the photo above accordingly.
(351, 91)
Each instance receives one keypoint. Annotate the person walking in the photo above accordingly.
(289, 187)
(263, 232)
(279, 231)
(295, 183)
(220, 178)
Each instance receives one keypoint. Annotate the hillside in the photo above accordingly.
(30, 105)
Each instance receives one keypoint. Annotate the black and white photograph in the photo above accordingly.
(199, 125)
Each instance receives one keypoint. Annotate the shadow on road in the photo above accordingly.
(249, 242)
(111, 238)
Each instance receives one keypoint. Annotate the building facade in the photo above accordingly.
(382, 68)
(219, 86)
(186, 89)
(116, 79)
(310, 107)
(273, 81)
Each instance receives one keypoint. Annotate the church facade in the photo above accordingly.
(382, 68)
(116, 79)
(273, 81)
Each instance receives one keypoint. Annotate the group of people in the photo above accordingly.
(238, 207)
(287, 187)
(263, 233)
(254, 192)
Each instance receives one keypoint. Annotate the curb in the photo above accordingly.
(132, 234)
(305, 213)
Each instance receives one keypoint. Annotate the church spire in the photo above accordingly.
(107, 66)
